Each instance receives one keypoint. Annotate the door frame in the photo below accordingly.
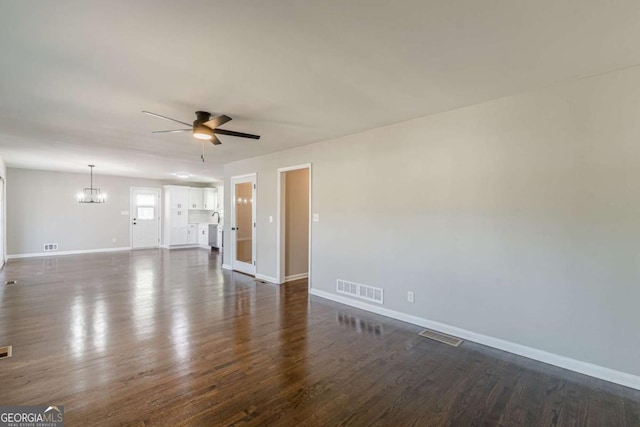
(3, 222)
(159, 210)
(239, 265)
(280, 223)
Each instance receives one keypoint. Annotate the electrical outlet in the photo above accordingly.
(114, 240)
(410, 297)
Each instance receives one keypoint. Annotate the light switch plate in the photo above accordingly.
(123, 213)
(270, 218)
(316, 217)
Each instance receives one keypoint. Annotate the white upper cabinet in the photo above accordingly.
(210, 199)
(196, 198)
(177, 196)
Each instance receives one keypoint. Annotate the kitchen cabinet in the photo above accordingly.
(192, 234)
(220, 201)
(196, 198)
(178, 217)
(203, 235)
(176, 196)
(181, 225)
(178, 235)
(210, 199)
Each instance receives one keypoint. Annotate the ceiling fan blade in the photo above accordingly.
(238, 134)
(217, 121)
(172, 131)
(215, 140)
(166, 118)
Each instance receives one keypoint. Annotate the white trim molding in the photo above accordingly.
(226, 266)
(267, 279)
(59, 253)
(586, 368)
(296, 277)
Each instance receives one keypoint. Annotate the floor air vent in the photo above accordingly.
(50, 247)
(437, 336)
(5, 352)
(369, 293)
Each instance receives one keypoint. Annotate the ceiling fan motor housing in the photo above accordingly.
(201, 117)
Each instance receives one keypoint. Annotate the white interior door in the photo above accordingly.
(243, 225)
(145, 218)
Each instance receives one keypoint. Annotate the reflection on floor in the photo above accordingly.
(169, 338)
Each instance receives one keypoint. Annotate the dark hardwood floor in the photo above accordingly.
(169, 338)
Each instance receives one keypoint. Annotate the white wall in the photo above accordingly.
(3, 222)
(517, 218)
(42, 208)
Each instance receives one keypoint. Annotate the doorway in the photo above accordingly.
(294, 223)
(145, 218)
(243, 224)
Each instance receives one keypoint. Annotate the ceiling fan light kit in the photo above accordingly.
(202, 132)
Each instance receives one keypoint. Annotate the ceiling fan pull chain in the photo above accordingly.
(202, 155)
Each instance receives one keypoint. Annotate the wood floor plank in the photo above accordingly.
(157, 337)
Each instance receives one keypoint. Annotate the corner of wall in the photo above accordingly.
(3, 226)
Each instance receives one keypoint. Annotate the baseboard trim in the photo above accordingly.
(267, 279)
(60, 253)
(586, 368)
(296, 277)
(226, 266)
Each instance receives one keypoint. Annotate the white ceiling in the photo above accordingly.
(76, 74)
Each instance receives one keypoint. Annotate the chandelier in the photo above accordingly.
(91, 195)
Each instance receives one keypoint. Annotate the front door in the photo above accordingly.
(243, 226)
(145, 218)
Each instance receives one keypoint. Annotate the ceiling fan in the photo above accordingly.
(204, 127)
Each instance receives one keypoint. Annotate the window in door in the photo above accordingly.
(145, 206)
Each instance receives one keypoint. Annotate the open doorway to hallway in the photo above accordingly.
(294, 210)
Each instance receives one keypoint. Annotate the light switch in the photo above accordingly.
(123, 213)
(316, 217)
(270, 218)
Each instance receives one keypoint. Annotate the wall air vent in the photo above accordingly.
(50, 247)
(358, 290)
